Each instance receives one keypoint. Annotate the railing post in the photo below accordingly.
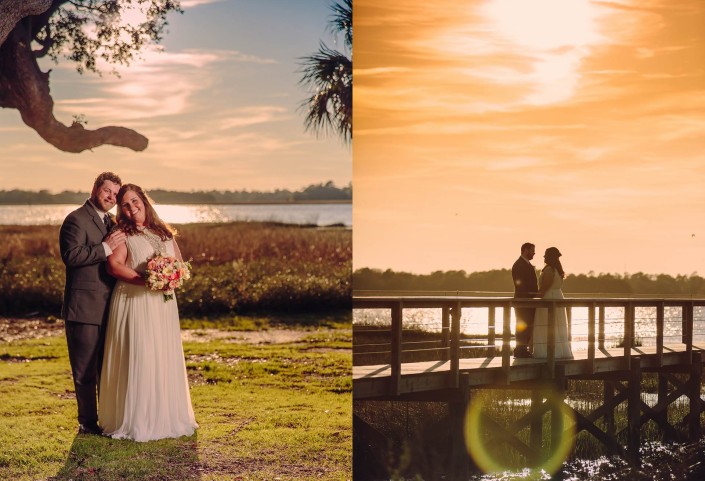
(536, 426)
(491, 331)
(396, 348)
(557, 427)
(445, 331)
(662, 392)
(628, 333)
(506, 347)
(608, 395)
(601, 329)
(569, 319)
(455, 345)
(696, 369)
(591, 337)
(634, 412)
(659, 332)
(551, 339)
(688, 329)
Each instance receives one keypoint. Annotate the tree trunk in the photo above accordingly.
(23, 86)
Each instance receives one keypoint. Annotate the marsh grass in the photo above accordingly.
(241, 267)
(418, 433)
(266, 411)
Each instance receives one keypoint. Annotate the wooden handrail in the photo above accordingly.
(451, 307)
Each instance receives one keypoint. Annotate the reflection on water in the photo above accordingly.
(300, 214)
(474, 323)
(659, 461)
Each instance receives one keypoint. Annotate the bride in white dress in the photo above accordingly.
(144, 393)
(550, 283)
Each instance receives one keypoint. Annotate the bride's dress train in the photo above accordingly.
(540, 335)
(144, 393)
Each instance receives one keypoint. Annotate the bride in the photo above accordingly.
(144, 393)
(550, 283)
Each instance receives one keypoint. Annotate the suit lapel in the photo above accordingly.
(96, 218)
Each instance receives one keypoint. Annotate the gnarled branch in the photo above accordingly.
(25, 87)
(12, 11)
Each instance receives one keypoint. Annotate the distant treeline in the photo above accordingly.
(312, 193)
(500, 280)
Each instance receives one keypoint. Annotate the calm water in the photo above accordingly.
(314, 214)
(474, 322)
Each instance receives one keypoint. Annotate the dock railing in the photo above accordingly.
(451, 345)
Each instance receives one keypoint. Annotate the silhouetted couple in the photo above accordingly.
(531, 323)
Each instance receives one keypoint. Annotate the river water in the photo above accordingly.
(302, 214)
(474, 323)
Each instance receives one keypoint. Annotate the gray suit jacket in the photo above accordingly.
(88, 284)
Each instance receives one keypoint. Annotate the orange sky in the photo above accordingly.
(481, 125)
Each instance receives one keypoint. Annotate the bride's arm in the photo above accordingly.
(177, 252)
(117, 267)
(546, 281)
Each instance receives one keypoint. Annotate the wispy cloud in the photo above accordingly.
(197, 3)
(254, 115)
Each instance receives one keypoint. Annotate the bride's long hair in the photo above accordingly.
(151, 219)
(551, 257)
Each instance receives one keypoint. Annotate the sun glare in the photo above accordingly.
(555, 34)
(545, 24)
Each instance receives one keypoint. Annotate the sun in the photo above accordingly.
(546, 24)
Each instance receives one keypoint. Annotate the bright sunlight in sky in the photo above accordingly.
(482, 125)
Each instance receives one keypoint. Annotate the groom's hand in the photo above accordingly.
(115, 239)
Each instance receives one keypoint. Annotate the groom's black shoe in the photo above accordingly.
(90, 429)
(522, 352)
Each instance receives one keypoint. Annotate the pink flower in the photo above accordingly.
(166, 273)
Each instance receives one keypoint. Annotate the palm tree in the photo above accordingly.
(328, 74)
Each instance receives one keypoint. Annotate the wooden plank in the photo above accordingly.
(551, 339)
(591, 338)
(688, 328)
(396, 347)
(628, 332)
(659, 331)
(491, 333)
(694, 429)
(506, 347)
(633, 412)
(445, 326)
(454, 345)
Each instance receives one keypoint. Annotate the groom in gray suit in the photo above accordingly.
(85, 245)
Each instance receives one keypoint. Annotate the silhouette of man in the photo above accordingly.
(525, 287)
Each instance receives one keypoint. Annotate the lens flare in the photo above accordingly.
(483, 439)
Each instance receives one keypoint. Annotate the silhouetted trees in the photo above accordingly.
(314, 193)
(500, 281)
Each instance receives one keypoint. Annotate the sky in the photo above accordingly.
(482, 125)
(219, 104)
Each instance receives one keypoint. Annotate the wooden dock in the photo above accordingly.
(451, 374)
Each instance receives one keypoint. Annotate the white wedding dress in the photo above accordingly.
(144, 393)
(540, 335)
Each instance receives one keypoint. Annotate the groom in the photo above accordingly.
(85, 246)
(525, 287)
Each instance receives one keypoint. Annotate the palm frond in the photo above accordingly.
(327, 74)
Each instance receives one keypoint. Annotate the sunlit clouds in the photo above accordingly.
(482, 125)
(159, 84)
(219, 101)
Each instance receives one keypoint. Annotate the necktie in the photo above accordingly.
(106, 221)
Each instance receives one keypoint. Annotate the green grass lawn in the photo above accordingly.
(267, 411)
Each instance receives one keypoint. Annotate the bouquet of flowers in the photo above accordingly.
(166, 273)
